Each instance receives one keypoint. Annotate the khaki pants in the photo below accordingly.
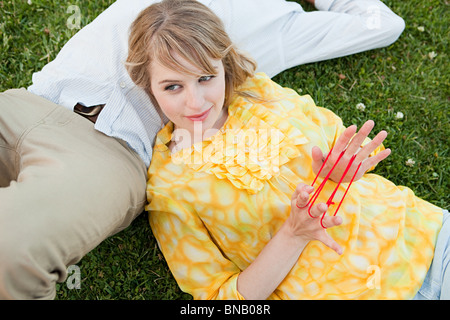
(64, 188)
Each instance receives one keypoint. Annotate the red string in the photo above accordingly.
(317, 192)
(319, 189)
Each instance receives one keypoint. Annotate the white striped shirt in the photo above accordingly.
(278, 34)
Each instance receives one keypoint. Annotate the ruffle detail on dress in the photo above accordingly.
(242, 154)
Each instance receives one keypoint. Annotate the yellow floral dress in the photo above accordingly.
(214, 206)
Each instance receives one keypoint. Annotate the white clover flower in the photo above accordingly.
(29, 2)
(360, 106)
(421, 29)
(410, 163)
(399, 115)
(432, 55)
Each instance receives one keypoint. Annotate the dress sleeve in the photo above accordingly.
(198, 265)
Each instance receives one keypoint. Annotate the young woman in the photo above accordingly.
(229, 187)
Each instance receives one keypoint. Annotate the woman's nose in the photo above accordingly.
(195, 99)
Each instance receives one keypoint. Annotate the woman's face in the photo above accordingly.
(190, 101)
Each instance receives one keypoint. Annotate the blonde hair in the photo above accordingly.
(191, 30)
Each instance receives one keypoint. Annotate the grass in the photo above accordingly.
(405, 77)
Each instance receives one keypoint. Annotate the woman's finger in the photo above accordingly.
(344, 139)
(318, 210)
(359, 138)
(301, 195)
(371, 146)
(318, 158)
(330, 243)
(373, 161)
(331, 221)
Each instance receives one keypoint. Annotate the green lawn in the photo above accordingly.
(410, 76)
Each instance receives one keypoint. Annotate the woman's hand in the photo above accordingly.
(281, 253)
(301, 225)
(351, 143)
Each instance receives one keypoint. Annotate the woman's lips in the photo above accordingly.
(200, 116)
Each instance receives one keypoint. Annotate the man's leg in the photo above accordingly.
(68, 187)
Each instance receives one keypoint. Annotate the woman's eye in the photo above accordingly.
(205, 78)
(172, 87)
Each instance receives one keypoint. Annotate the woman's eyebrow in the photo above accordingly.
(172, 81)
(168, 81)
